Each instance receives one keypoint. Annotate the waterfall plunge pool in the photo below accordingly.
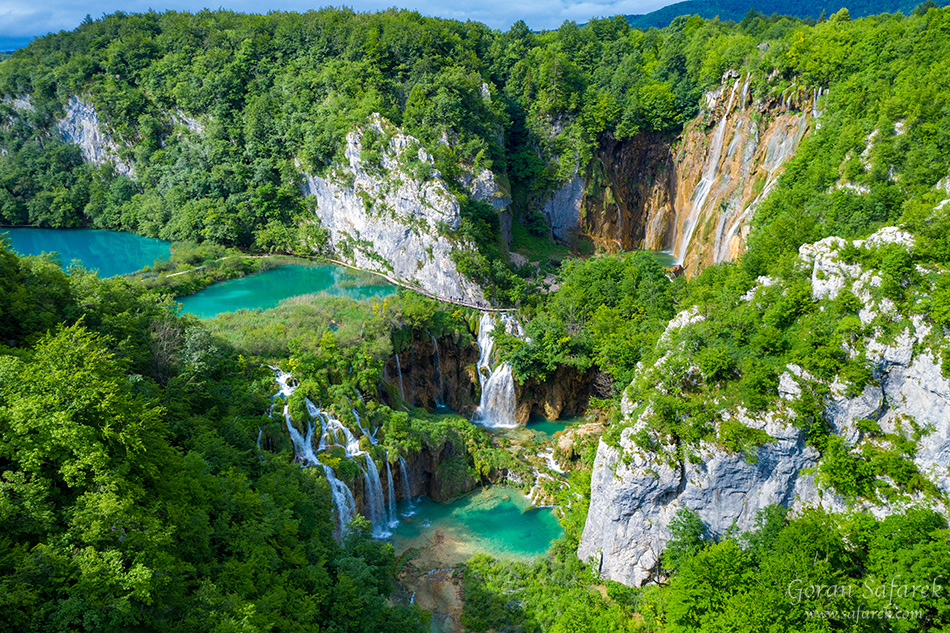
(498, 521)
(109, 252)
(265, 290)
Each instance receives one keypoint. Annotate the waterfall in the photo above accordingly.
(374, 498)
(706, 182)
(334, 433)
(359, 423)
(440, 401)
(342, 499)
(402, 390)
(496, 408)
(303, 445)
(407, 489)
(391, 489)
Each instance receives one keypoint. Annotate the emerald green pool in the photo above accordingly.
(109, 252)
(498, 521)
(541, 424)
(267, 289)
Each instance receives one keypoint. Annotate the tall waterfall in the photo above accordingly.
(375, 505)
(704, 187)
(391, 489)
(440, 401)
(402, 389)
(496, 408)
(407, 489)
(342, 499)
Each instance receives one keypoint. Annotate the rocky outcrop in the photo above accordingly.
(566, 392)
(429, 378)
(563, 210)
(693, 194)
(388, 210)
(82, 126)
(636, 492)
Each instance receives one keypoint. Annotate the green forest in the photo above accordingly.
(147, 478)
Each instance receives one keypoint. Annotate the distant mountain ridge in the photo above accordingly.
(736, 9)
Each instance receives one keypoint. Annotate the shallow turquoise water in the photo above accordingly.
(109, 252)
(497, 521)
(267, 289)
(548, 427)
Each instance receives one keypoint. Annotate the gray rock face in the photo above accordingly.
(563, 210)
(82, 126)
(636, 493)
(482, 186)
(383, 218)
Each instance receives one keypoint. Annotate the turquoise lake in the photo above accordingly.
(497, 520)
(109, 252)
(267, 289)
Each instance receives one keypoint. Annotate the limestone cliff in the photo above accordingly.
(636, 492)
(81, 125)
(693, 193)
(388, 210)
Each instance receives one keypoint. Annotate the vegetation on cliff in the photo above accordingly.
(219, 113)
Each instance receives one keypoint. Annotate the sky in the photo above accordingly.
(22, 20)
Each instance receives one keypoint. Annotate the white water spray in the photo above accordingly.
(402, 389)
(391, 497)
(496, 408)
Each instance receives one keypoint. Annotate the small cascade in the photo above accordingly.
(303, 445)
(440, 401)
(391, 489)
(536, 494)
(496, 408)
(359, 423)
(706, 182)
(549, 461)
(402, 390)
(375, 505)
(407, 489)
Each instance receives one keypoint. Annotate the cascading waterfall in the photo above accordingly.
(402, 390)
(374, 493)
(342, 499)
(496, 408)
(334, 433)
(704, 187)
(440, 401)
(391, 489)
